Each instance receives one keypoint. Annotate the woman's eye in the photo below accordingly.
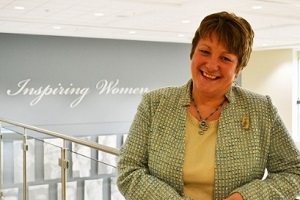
(204, 52)
(226, 59)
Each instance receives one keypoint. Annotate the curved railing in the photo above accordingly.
(35, 161)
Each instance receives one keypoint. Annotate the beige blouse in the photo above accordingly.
(199, 161)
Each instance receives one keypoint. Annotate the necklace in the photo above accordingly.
(203, 126)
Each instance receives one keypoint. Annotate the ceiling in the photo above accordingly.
(276, 22)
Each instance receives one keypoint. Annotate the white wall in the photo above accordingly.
(84, 62)
(270, 72)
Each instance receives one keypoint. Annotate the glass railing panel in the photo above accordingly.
(91, 173)
(106, 170)
(107, 162)
(114, 191)
(48, 172)
(42, 169)
(52, 154)
(11, 194)
(88, 177)
(81, 157)
(12, 164)
(71, 191)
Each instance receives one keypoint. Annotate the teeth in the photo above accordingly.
(209, 76)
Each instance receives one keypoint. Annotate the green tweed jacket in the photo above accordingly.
(251, 137)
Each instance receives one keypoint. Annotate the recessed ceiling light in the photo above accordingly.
(180, 35)
(132, 32)
(57, 27)
(99, 14)
(256, 7)
(185, 21)
(19, 8)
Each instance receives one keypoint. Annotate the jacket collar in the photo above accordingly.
(185, 99)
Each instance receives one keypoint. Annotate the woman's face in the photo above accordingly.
(213, 68)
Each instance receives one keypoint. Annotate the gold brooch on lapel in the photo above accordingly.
(246, 123)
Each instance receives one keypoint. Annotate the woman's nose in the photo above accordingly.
(212, 64)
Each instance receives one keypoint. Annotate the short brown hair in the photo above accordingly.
(233, 31)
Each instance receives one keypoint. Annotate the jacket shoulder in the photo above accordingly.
(253, 102)
(249, 96)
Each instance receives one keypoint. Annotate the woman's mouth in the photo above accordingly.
(209, 75)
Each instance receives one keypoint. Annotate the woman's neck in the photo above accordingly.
(208, 100)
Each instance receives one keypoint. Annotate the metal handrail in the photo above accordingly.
(87, 143)
(62, 161)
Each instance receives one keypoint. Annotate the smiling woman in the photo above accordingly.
(214, 69)
(210, 139)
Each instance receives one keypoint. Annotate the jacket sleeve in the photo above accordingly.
(283, 165)
(134, 179)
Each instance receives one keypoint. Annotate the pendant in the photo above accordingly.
(200, 132)
(203, 127)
